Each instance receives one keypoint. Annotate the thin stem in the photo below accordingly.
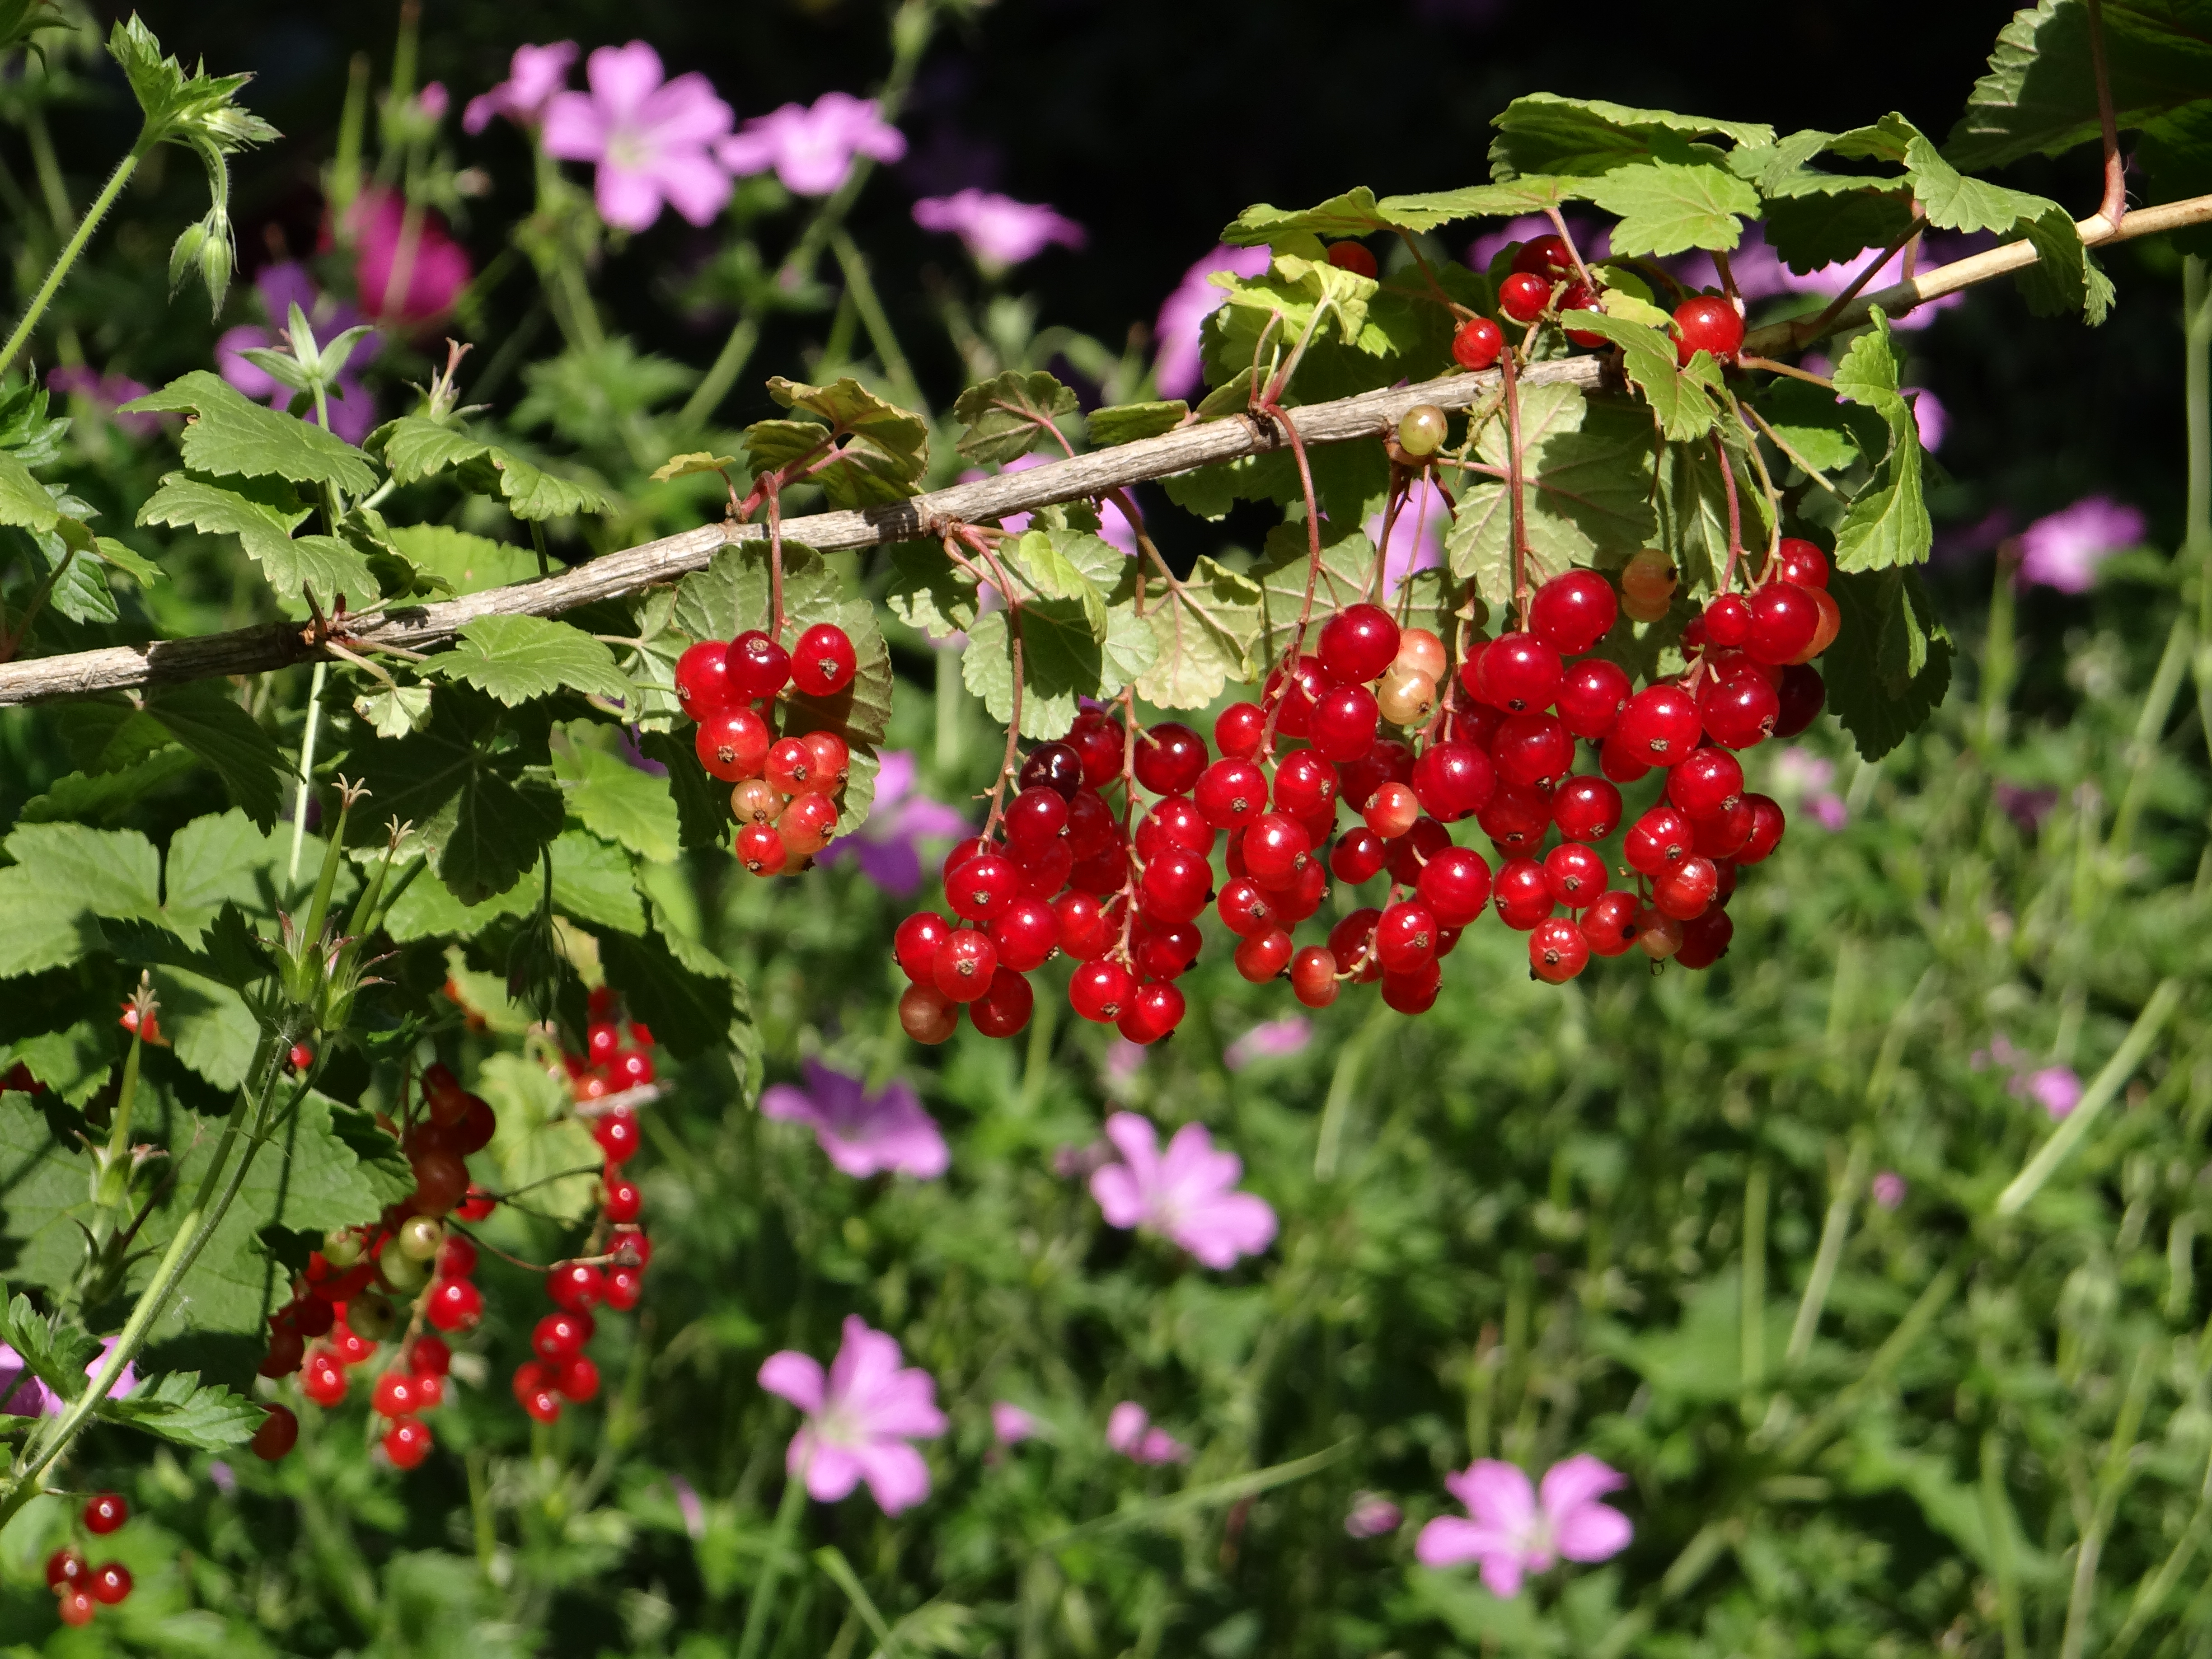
(1014, 716)
(1796, 373)
(1735, 513)
(307, 763)
(12, 641)
(2115, 204)
(1559, 224)
(71, 250)
(1784, 446)
(1818, 326)
(1727, 279)
(787, 1511)
(2196, 372)
(874, 318)
(1511, 366)
(1834, 1231)
(2106, 1085)
(1753, 1330)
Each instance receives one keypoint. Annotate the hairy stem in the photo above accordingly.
(75, 247)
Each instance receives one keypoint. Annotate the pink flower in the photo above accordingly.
(689, 1506)
(1760, 274)
(22, 1395)
(2054, 1088)
(1417, 535)
(105, 392)
(1371, 1516)
(2063, 550)
(434, 100)
(533, 77)
(811, 150)
(1187, 1195)
(2024, 805)
(651, 138)
(1929, 415)
(1269, 1040)
(1177, 369)
(1889, 1189)
(1011, 1425)
(1832, 811)
(1124, 1059)
(864, 1134)
(998, 231)
(1128, 1431)
(1516, 1530)
(859, 1422)
(282, 286)
(887, 847)
(399, 282)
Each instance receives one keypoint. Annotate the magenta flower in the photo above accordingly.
(282, 286)
(2024, 805)
(811, 150)
(1011, 1425)
(105, 392)
(860, 1419)
(998, 231)
(1516, 1530)
(689, 1506)
(863, 1134)
(2063, 550)
(1889, 1189)
(535, 74)
(1270, 1039)
(888, 845)
(1417, 535)
(651, 138)
(1929, 415)
(401, 280)
(1802, 773)
(22, 1395)
(1371, 1516)
(1178, 369)
(1187, 1195)
(434, 102)
(1129, 1431)
(2054, 1088)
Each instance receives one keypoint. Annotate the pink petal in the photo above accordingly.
(1158, 1446)
(482, 108)
(1234, 1224)
(1591, 1532)
(1011, 1425)
(788, 1104)
(1448, 1541)
(895, 1474)
(628, 200)
(575, 128)
(1577, 1480)
(1124, 1426)
(1119, 1198)
(1191, 1167)
(832, 1472)
(623, 77)
(694, 184)
(536, 73)
(794, 1376)
(867, 1360)
(904, 1405)
(1496, 1494)
(1501, 1574)
(1138, 1144)
(685, 113)
(749, 152)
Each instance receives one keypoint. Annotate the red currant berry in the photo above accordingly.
(633, 1069)
(1034, 817)
(1573, 611)
(1739, 709)
(1452, 779)
(1045, 869)
(286, 1348)
(1658, 935)
(1358, 855)
(1236, 729)
(478, 1203)
(1477, 343)
(1557, 951)
(455, 1304)
(1406, 938)
(1353, 257)
(1455, 885)
(1230, 793)
(1026, 933)
(1518, 671)
(1783, 621)
(104, 1512)
(1708, 782)
(407, 1442)
(1391, 809)
(983, 886)
(1660, 726)
(1415, 993)
(702, 679)
(1524, 296)
(1004, 1008)
(1575, 873)
(731, 744)
(1169, 757)
(1358, 643)
(322, 1379)
(1297, 690)
(1245, 908)
(1801, 563)
(1351, 944)
(65, 1566)
(1578, 297)
(789, 766)
(1803, 696)
(1153, 1013)
(1592, 694)
(1080, 921)
(577, 1286)
(74, 1606)
(1619, 762)
(1705, 939)
(1533, 749)
(618, 1135)
(823, 662)
(1100, 991)
(1099, 741)
(1765, 833)
(1831, 624)
(758, 666)
(965, 963)
(925, 1014)
(1546, 256)
(1313, 977)
(1727, 621)
(1517, 818)
(1345, 722)
(1609, 925)
(1264, 956)
(1725, 834)
(1411, 852)
(1522, 894)
(1175, 886)
(1056, 767)
(1306, 787)
(1174, 822)
(560, 1335)
(1276, 847)
(278, 1433)
(393, 1395)
(1661, 837)
(1685, 888)
(1707, 322)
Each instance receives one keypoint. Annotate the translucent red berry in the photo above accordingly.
(1661, 837)
(1100, 990)
(1455, 885)
(1517, 818)
(1169, 757)
(702, 679)
(1524, 296)
(1306, 785)
(278, 1433)
(1727, 620)
(1522, 894)
(1575, 873)
(732, 744)
(1705, 939)
(1685, 888)
(104, 1512)
(758, 666)
(1783, 620)
(823, 662)
(1004, 1008)
(1801, 696)
(925, 1013)
(1533, 748)
(1263, 955)
(1707, 322)
(1345, 722)
(965, 963)
(407, 1442)
(1801, 563)
(1154, 1013)
(1660, 726)
(1518, 671)
(1236, 729)
(1353, 257)
(1358, 643)
(1738, 710)
(1415, 993)
(1477, 343)
(1405, 936)
(618, 1135)
(1708, 781)
(1557, 951)
(1548, 257)
(1573, 611)
(1452, 779)
(1766, 831)
(1609, 925)
(577, 1286)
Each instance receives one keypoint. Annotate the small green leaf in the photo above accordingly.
(415, 446)
(262, 519)
(110, 872)
(1204, 628)
(396, 711)
(701, 460)
(1891, 662)
(882, 459)
(232, 436)
(471, 564)
(23, 500)
(1005, 416)
(614, 800)
(531, 492)
(1510, 198)
(1541, 132)
(595, 884)
(1685, 399)
(56, 1354)
(518, 658)
(1126, 423)
(180, 1408)
(928, 590)
(1355, 213)
(1668, 209)
(539, 1137)
(1887, 522)
(698, 1002)
(205, 720)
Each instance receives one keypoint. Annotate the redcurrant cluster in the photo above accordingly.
(787, 782)
(608, 1066)
(1544, 277)
(1411, 750)
(81, 1589)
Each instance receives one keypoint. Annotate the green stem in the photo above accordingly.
(2151, 1595)
(874, 318)
(1833, 1232)
(1755, 1281)
(2111, 1481)
(306, 765)
(1997, 1523)
(1343, 1083)
(948, 691)
(71, 250)
(2150, 724)
(2106, 1085)
(779, 1553)
(2000, 655)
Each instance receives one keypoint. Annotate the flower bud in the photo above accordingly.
(185, 253)
(216, 259)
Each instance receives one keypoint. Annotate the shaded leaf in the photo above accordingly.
(1005, 416)
(516, 658)
(1126, 423)
(230, 435)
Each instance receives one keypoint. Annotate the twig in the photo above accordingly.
(2113, 209)
(1559, 224)
(1818, 326)
(1791, 370)
(1784, 446)
(1735, 513)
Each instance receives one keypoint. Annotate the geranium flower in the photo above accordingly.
(811, 150)
(2054, 1088)
(863, 1134)
(1371, 1516)
(998, 231)
(2062, 549)
(1417, 535)
(1516, 1530)
(1177, 369)
(1129, 1431)
(859, 1419)
(1889, 1189)
(888, 845)
(1270, 1039)
(105, 392)
(22, 1395)
(651, 138)
(398, 284)
(1800, 774)
(1011, 1425)
(281, 286)
(1187, 1195)
(533, 75)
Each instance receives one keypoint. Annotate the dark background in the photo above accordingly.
(1152, 122)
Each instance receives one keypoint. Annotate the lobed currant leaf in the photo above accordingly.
(1887, 522)
(1542, 133)
(262, 515)
(1668, 207)
(612, 798)
(206, 718)
(516, 658)
(1126, 423)
(538, 1136)
(698, 1002)
(595, 883)
(1205, 628)
(56, 1354)
(1687, 400)
(1891, 662)
(1003, 417)
(179, 1408)
(23, 500)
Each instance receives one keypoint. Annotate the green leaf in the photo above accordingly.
(427, 909)
(1891, 662)
(1063, 659)
(1204, 629)
(1887, 522)
(1685, 400)
(262, 519)
(1815, 231)
(98, 796)
(232, 436)
(56, 1354)
(41, 927)
(471, 564)
(881, 460)
(595, 884)
(1005, 417)
(1347, 567)
(74, 1063)
(1543, 133)
(928, 592)
(109, 872)
(396, 711)
(1666, 208)
(416, 447)
(1814, 424)
(223, 859)
(128, 560)
(703, 814)
(1693, 526)
(1355, 213)
(539, 1136)
(517, 657)
(530, 491)
(46, 1181)
(698, 1002)
(699, 460)
(1587, 482)
(1126, 423)
(1510, 198)
(23, 500)
(1041, 560)
(614, 800)
(212, 1030)
(180, 1408)
(206, 719)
